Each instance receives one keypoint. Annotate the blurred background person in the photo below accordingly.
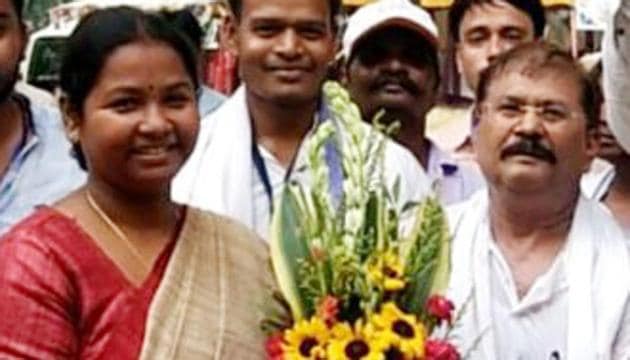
(117, 270)
(35, 163)
(186, 22)
(481, 30)
(609, 180)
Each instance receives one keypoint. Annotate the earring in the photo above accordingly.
(73, 136)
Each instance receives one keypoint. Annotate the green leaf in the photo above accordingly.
(288, 249)
(417, 290)
(428, 259)
(443, 266)
(366, 245)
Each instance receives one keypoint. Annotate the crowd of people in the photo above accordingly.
(134, 216)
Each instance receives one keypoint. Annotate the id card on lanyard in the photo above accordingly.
(335, 171)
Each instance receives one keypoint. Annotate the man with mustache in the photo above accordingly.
(391, 64)
(537, 267)
(35, 163)
(253, 144)
(480, 31)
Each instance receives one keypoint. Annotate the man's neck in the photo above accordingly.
(11, 130)
(621, 183)
(532, 217)
(411, 135)
(530, 230)
(280, 128)
(10, 118)
(618, 197)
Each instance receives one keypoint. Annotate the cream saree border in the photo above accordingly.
(209, 303)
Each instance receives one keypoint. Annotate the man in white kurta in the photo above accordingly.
(539, 271)
(255, 142)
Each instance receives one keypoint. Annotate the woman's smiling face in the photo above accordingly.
(139, 121)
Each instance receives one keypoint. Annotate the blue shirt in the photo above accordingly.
(42, 169)
(209, 100)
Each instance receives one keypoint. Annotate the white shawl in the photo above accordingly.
(212, 297)
(219, 174)
(597, 255)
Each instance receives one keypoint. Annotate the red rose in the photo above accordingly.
(440, 308)
(273, 347)
(440, 350)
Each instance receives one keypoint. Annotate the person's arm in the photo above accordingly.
(36, 316)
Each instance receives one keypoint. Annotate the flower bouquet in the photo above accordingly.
(357, 272)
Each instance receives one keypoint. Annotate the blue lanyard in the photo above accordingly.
(335, 172)
(259, 163)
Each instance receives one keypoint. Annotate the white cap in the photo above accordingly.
(383, 13)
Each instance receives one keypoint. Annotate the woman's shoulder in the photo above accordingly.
(33, 252)
(44, 227)
(45, 238)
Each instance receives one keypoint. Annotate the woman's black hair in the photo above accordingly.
(98, 35)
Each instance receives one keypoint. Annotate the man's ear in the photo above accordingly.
(458, 61)
(592, 146)
(229, 34)
(475, 118)
(71, 119)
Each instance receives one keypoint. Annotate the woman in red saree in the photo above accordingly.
(116, 270)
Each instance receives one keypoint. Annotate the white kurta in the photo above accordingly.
(578, 309)
(597, 180)
(220, 174)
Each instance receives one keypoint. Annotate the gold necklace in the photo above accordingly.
(115, 228)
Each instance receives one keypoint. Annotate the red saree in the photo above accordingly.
(62, 297)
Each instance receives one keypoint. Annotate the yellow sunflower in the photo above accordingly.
(359, 343)
(402, 332)
(306, 340)
(386, 271)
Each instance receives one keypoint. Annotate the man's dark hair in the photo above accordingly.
(536, 58)
(533, 8)
(335, 6)
(184, 21)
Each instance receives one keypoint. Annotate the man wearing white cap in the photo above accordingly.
(391, 53)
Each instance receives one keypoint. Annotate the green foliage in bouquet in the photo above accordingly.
(365, 250)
